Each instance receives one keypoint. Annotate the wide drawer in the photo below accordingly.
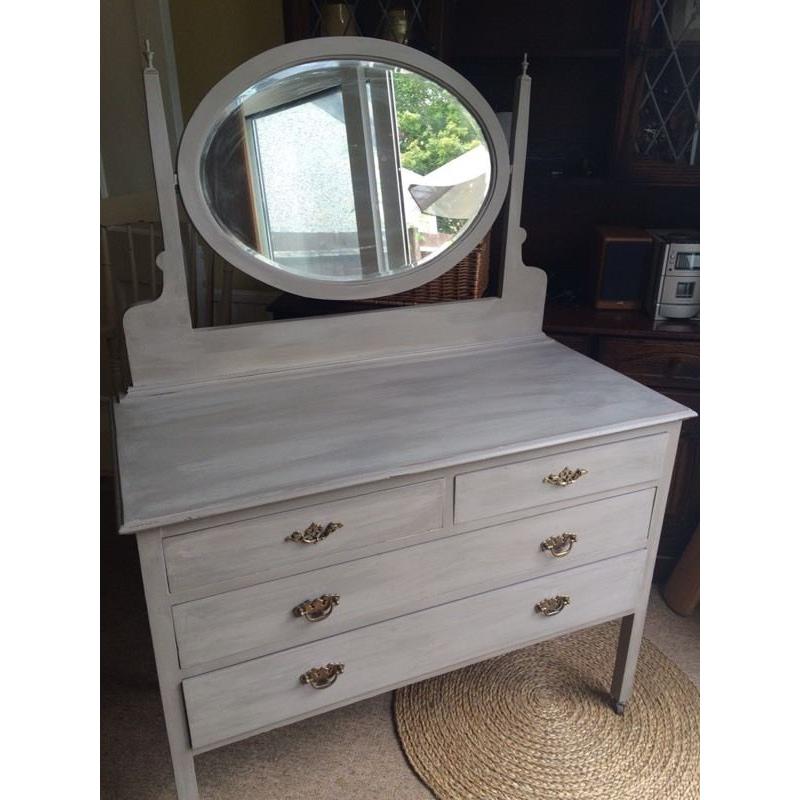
(268, 691)
(261, 545)
(370, 590)
(524, 484)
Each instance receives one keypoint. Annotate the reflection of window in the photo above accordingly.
(328, 154)
(328, 181)
(684, 289)
(307, 212)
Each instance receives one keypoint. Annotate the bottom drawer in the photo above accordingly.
(267, 691)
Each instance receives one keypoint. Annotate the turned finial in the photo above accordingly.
(148, 54)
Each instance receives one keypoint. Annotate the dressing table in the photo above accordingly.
(328, 508)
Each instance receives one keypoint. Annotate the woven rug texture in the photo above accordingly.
(537, 724)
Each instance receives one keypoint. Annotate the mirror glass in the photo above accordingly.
(345, 170)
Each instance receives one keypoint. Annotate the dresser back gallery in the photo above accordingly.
(331, 507)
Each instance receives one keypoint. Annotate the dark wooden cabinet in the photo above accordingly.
(666, 357)
(657, 139)
(662, 363)
(588, 62)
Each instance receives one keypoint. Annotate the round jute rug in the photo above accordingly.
(537, 724)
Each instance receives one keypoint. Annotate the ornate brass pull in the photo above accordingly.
(552, 605)
(322, 677)
(566, 477)
(314, 533)
(319, 609)
(559, 546)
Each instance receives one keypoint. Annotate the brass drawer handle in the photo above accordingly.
(322, 677)
(319, 609)
(566, 477)
(314, 533)
(552, 605)
(559, 546)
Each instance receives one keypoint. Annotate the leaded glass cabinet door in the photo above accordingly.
(658, 129)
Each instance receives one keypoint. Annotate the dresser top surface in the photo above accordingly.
(234, 445)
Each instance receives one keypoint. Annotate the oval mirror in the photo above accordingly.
(343, 168)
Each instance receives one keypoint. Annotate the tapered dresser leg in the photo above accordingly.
(156, 594)
(179, 747)
(628, 646)
(632, 629)
(185, 778)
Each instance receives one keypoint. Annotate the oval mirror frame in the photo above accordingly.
(215, 106)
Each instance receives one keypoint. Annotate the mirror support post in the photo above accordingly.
(173, 265)
(160, 320)
(515, 235)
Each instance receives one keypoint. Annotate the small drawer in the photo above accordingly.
(366, 591)
(526, 484)
(655, 363)
(268, 691)
(264, 544)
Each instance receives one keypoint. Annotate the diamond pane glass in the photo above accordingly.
(669, 114)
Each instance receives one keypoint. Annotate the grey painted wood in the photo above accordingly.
(371, 589)
(226, 428)
(233, 445)
(174, 294)
(446, 473)
(165, 351)
(630, 638)
(628, 647)
(243, 698)
(485, 493)
(161, 630)
(259, 545)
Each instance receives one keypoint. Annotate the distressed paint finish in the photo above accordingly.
(513, 487)
(231, 433)
(165, 351)
(235, 701)
(258, 545)
(440, 571)
(237, 444)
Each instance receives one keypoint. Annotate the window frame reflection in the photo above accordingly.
(371, 129)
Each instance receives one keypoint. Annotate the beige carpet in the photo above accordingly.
(357, 758)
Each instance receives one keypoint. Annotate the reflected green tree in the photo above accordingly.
(434, 127)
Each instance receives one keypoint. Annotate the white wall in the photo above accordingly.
(213, 36)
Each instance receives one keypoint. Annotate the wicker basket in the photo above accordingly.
(467, 280)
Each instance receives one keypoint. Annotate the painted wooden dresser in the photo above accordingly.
(665, 356)
(332, 507)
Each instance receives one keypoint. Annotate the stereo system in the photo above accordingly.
(674, 290)
(655, 269)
